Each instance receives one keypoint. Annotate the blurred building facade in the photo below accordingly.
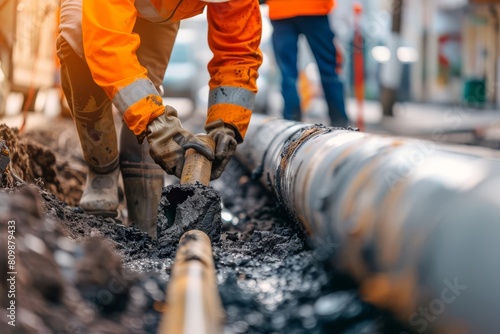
(449, 50)
(27, 46)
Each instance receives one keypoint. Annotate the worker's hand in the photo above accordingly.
(225, 144)
(169, 141)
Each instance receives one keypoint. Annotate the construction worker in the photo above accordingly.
(116, 52)
(291, 18)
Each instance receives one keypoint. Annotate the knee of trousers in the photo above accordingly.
(97, 134)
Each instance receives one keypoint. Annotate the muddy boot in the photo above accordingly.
(92, 112)
(100, 196)
(97, 134)
(142, 182)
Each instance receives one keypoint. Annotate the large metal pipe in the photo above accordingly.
(416, 223)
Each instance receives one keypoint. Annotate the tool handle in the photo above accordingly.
(197, 168)
(193, 303)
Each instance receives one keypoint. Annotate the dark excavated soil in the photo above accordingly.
(188, 207)
(58, 169)
(82, 274)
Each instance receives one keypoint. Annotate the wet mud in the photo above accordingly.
(78, 273)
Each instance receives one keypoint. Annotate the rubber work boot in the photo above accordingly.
(143, 183)
(100, 196)
(97, 134)
(93, 115)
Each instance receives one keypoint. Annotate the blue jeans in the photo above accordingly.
(320, 36)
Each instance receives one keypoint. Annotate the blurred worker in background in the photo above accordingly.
(291, 18)
(116, 52)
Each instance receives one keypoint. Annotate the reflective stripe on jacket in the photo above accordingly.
(234, 32)
(284, 9)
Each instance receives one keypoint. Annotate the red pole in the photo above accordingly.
(359, 73)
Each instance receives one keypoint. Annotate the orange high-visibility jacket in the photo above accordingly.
(284, 9)
(234, 33)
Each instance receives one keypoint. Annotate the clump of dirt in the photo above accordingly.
(188, 207)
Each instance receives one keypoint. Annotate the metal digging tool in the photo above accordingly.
(193, 302)
(192, 204)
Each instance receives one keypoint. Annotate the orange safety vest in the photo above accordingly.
(284, 9)
(234, 36)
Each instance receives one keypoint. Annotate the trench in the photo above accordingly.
(79, 273)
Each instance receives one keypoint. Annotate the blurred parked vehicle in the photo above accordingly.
(268, 73)
(182, 78)
(267, 78)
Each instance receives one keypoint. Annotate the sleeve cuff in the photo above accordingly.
(141, 113)
(236, 116)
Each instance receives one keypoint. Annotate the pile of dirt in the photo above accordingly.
(33, 162)
(62, 286)
(78, 272)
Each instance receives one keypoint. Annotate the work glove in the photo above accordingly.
(169, 141)
(224, 136)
